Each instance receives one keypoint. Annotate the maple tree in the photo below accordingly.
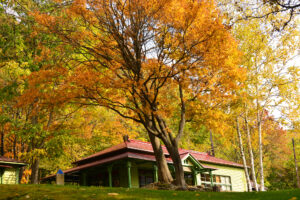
(76, 76)
(131, 55)
(25, 125)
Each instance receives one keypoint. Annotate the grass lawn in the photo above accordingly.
(47, 192)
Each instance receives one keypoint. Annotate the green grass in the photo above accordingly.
(47, 192)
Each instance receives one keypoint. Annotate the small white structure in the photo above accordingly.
(60, 177)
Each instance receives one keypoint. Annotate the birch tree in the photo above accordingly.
(266, 58)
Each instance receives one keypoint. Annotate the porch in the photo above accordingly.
(131, 173)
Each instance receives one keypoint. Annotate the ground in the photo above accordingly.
(47, 192)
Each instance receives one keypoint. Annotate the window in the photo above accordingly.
(145, 177)
(223, 181)
(226, 183)
(205, 178)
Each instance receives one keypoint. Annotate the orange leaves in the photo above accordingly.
(130, 56)
(44, 19)
(43, 88)
(25, 176)
(79, 6)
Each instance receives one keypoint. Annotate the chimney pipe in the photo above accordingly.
(125, 138)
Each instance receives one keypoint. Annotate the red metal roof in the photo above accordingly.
(139, 156)
(142, 156)
(131, 144)
(10, 160)
(205, 157)
(147, 147)
(209, 167)
(92, 164)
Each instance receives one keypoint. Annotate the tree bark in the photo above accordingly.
(175, 156)
(243, 155)
(35, 171)
(164, 175)
(21, 174)
(251, 154)
(261, 166)
(296, 164)
(15, 147)
(212, 144)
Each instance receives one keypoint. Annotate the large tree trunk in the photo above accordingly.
(21, 174)
(261, 166)
(15, 147)
(243, 155)
(174, 153)
(164, 175)
(296, 164)
(35, 171)
(251, 154)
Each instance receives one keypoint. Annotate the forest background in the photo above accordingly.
(49, 127)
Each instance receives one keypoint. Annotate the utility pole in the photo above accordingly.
(296, 164)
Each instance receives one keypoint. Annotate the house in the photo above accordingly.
(132, 164)
(10, 170)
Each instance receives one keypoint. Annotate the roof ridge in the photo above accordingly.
(148, 143)
(106, 150)
(139, 141)
(197, 152)
(164, 146)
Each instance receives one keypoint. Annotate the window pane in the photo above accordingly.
(223, 179)
(202, 177)
(218, 179)
(207, 177)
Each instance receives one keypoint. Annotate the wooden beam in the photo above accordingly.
(129, 173)
(109, 169)
(211, 178)
(17, 175)
(195, 176)
(155, 173)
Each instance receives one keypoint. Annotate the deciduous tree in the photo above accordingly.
(131, 55)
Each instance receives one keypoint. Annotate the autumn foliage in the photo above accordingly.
(128, 56)
(168, 70)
